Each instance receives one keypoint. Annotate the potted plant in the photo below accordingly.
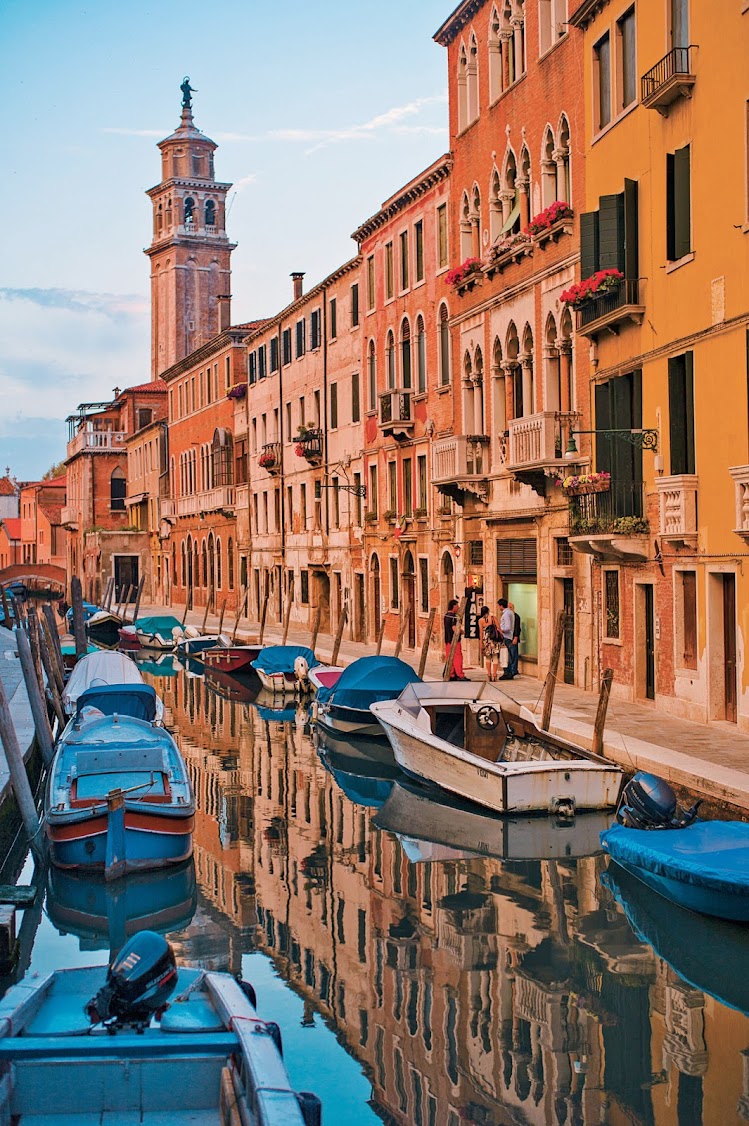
(547, 218)
(461, 275)
(389, 514)
(420, 513)
(238, 391)
(597, 285)
(267, 460)
(581, 483)
(371, 517)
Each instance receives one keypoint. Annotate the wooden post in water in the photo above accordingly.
(457, 634)
(208, 602)
(380, 637)
(50, 622)
(119, 603)
(603, 703)
(55, 691)
(287, 611)
(339, 635)
(36, 699)
(18, 777)
(46, 642)
(33, 636)
(403, 627)
(221, 617)
(128, 599)
(138, 596)
(427, 639)
(316, 627)
(6, 609)
(188, 604)
(551, 675)
(108, 593)
(79, 627)
(264, 613)
(240, 612)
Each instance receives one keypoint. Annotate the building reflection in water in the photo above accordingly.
(470, 989)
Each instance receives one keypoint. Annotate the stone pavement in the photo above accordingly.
(20, 709)
(712, 761)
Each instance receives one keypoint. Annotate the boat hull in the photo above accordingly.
(349, 721)
(706, 901)
(280, 683)
(144, 841)
(505, 788)
(236, 659)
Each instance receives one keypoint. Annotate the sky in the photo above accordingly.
(320, 110)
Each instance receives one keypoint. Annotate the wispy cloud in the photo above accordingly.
(126, 132)
(245, 181)
(389, 121)
(113, 305)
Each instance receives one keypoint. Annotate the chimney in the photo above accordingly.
(224, 311)
(297, 279)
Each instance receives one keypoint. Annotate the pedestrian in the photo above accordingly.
(490, 642)
(512, 667)
(450, 623)
(506, 628)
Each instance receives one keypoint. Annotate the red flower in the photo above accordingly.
(299, 449)
(600, 282)
(460, 273)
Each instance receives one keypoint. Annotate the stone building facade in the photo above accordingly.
(42, 531)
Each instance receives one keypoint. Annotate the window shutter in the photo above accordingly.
(676, 413)
(670, 210)
(611, 232)
(682, 203)
(689, 411)
(588, 243)
(631, 256)
(602, 422)
(516, 557)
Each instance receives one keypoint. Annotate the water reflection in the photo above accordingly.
(478, 972)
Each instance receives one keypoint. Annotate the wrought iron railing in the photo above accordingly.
(620, 510)
(395, 406)
(311, 444)
(677, 61)
(625, 293)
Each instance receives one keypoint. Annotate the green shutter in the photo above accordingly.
(611, 232)
(682, 203)
(602, 422)
(588, 243)
(676, 414)
(689, 411)
(631, 257)
(670, 222)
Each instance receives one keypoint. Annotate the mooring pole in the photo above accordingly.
(287, 611)
(551, 675)
(36, 699)
(403, 626)
(79, 626)
(339, 635)
(18, 777)
(380, 637)
(316, 627)
(138, 596)
(603, 703)
(427, 639)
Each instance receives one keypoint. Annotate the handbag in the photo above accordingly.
(504, 657)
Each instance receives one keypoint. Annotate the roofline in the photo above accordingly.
(585, 12)
(456, 21)
(228, 338)
(420, 184)
(316, 290)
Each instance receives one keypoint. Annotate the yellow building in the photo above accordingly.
(666, 90)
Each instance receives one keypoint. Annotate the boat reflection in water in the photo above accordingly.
(366, 779)
(105, 915)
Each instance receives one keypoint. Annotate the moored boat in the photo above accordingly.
(232, 659)
(143, 1041)
(104, 627)
(97, 669)
(194, 642)
(344, 705)
(285, 668)
(160, 631)
(477, 742)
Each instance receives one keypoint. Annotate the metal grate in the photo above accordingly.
(476, 553)
(564, 552)
(516, 557)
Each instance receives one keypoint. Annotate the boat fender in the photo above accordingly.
(301, 670)
(274, 1032)
(248, 990)
(311, 1108)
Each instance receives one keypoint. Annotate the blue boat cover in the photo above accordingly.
(278, 715)
(368, 680)
(280, 658)
(709, 854)
(136, 700)
(162, 624)
(88, 611)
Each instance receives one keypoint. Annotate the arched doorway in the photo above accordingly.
(189, 567)
(409, 597)
(211, 569)
(447, 580)
(322, 599)
(374, 567)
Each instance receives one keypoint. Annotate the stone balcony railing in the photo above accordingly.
(220, 497)
(677, 497)
(97, 440)
(740, 474)
(396, 412)
(167, 507)
(460, 464)
(536, 444)
(69, 515)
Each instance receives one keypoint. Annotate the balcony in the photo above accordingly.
(396, 412)
(610, 525)
(97, 440)
(740, 474)
(671, 78)
(612, 309)
(219, 499)
(460, 466)
(271, 459)
(69, 516)
(167, 508)
(536, 447)
(678, 509)
(309, 446)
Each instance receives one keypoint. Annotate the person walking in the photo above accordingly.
(506, 628)
(512, 666)
(490, 642)
(450, 624)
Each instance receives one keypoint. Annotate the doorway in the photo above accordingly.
(409, 598)
(376, 601)
(568, 642)
(358, 606)
(322, 599)
(644, 670)
(729, 646)
(125, 576)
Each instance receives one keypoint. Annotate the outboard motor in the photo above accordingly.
(301, 671)
(139, 981)
(648, 802)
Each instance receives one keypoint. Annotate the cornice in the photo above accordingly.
(220, 242)
(456, 21)
(586, 12)
(230, 337)
(196, 184)
(310, 295)
(419, 186)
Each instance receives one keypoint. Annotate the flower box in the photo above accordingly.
(237, 392)
(466, 275)
(267, 461)
(371, 518)
(420, 513)
(580, 295)
(548, 218)
(389, 514)
(583, 490)
(577, 485)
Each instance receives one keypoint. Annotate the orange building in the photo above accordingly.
(42, 530)
(10, 541)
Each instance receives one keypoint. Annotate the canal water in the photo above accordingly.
(428, 966)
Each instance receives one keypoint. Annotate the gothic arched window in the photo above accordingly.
(189, 211)
(210, 213)
(117, 490)
(222, 457)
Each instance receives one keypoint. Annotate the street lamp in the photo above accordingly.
(644, 439)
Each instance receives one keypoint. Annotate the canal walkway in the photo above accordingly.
(712, 761)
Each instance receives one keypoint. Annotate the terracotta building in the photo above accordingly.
(516, 123)
(148, 484)
(10, 541)
(42, 530)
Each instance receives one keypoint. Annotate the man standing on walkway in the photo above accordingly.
(506, 628)
(450, 624)
(512, 668)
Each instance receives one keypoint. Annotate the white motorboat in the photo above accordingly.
(477, 742)
(96, 670)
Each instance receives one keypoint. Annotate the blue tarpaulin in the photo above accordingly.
(368, 680)
(161, 624)
(280, 658)
(708, 854)
(136, 700)
(88, 611)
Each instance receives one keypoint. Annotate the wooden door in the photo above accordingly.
(729, 646)
(649, 644)
(568, 587)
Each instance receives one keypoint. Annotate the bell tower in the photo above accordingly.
(190, 252)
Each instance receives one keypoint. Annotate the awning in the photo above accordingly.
(137, 498)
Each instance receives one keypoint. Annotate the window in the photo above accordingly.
(390, 359)
(687, 596)
(611, 603)
(444, 347)
(274, 353)
(145, 417)
(609, 236)
(679, 23)
(354, 305)
(602, 66)
(627, 59)
(304, 585)
(117, 490)
(314, 329)
(389, 290)
(333, 311)
(357, 500)
(421, 356)
(419, 250)
(355, 403)
(333, 406)
(300, 339)
(552, 20)
(288, 422)
(424, 584)
(371, 282)
(421, 470)
(372, 498)
(394, 583)
(681, 413)
(678, 205)
(618, 406)
(262, 371)
(372, 376)
(286, 345)
(210, 213)
(393, 486)
(222, 457)
(405, 354)
(227, 370)
(240, 461)
(564, 552)
(408, 487)
(403, 239)
(442, 257)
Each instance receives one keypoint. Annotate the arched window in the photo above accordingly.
(510, 196)
(526, 360)
(222, 457)
(189, 211)
(548, 170)
(495, 208)
(372, 375)
(462, 88)
(421, 355)
(495, 57)
(210, 213)
(204, 562)
(184, 564)
(466, 233)
(218, 565)
(117, 490)
(476, 222)
(230, 564)
(159, 219)
(211, 560)
(405, 353)
(390, 359)
(472, 75)
(515, 391)
(562, 157)
(499, 403)
(444, 331)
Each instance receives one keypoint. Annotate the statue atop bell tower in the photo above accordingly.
(190, 251)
